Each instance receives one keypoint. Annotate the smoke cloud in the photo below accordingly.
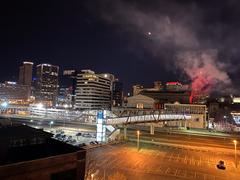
(170, 32)
(205, 72)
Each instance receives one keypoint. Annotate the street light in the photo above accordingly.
(51, 123)
(138, 137)
(235, 145)
(92, 176)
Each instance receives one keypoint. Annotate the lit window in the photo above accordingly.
(140, 106)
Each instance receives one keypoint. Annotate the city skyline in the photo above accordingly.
(84, 35)
(120, 89)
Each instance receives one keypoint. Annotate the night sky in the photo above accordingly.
(138, 41)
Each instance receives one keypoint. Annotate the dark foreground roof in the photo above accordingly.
(23, 143)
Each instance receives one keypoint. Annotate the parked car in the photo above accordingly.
(221, 165)
(94, 135)
(73, 141)
(59, 131)
(92, 142)
(81, 145)
(57, 136)
(87, 135)
(78, 134)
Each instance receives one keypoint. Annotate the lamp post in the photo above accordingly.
(51, 123)
(235, 150)
(138, 138)
(92, 176)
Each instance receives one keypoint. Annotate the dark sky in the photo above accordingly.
(113, 36)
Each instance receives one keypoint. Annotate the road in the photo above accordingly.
(186, 139)
(45, 123)
(69, 128)
(177, 158)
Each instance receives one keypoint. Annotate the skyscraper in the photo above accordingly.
(93, 90)
(117, 93)
(25, 76)
(25, 73)
(47, 83)
(69, 81)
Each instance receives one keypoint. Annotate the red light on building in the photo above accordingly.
(174, 83)
(191, 98)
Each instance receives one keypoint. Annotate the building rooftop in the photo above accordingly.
(23, 143)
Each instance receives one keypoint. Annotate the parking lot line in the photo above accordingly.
(199, 176)
(178, 157)
(185, 159)
(210, 177)
(191, 175)
(171, 171)
(181, 173)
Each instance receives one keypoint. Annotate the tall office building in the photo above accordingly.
(69, 81)
(93, 91)
(25, 76)
(47, 83)
(25, 73)
(117, 93)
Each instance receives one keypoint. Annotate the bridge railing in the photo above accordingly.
(147, 118)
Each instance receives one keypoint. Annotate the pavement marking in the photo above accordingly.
(167, 170)
(209, 177)
(181, 173)
(185, 159)
(171, 171)
(178, 157)
(138, 164)
(199, 175)
(190, 175)
(171, 157)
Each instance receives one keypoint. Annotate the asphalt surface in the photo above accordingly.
(168, 157)
(186, 139)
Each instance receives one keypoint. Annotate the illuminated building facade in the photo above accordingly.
(171, 93)
(198, 114)
(93, 91)
(236, 117)
(47, 83)
(25, 75)
(64, 98)
(174, 86)
(11, 91)
(162, 97)
(140, 102)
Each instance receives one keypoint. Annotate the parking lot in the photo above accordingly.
(72, 135)
(159, 162)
